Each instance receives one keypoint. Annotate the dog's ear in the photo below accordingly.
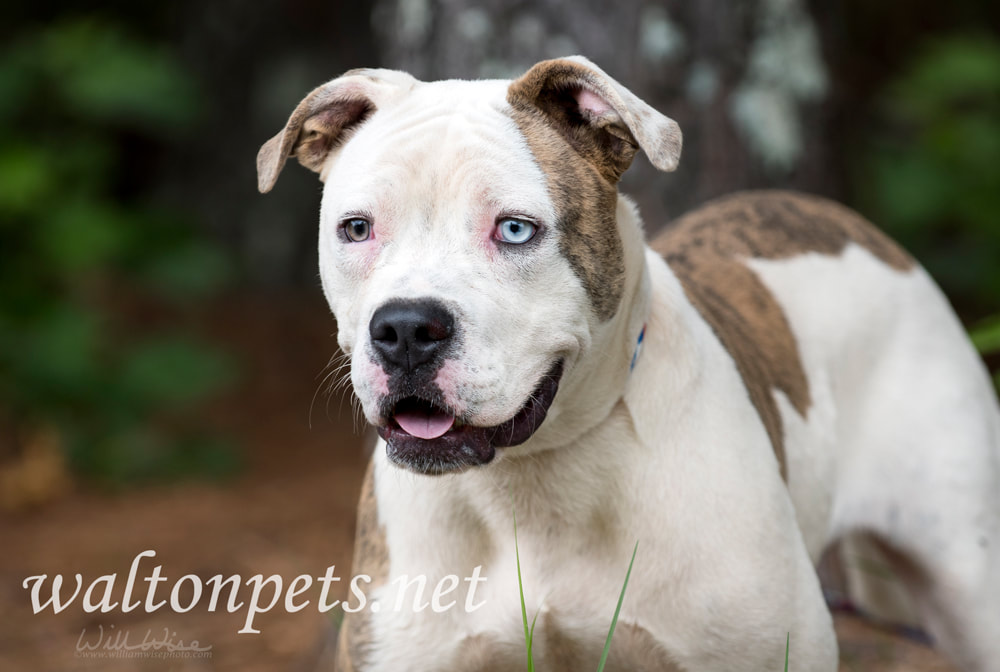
(602, 120)
(319, 123)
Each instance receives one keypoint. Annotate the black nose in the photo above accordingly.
(408, 334)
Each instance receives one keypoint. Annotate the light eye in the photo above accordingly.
(357, 229)
(515, 231)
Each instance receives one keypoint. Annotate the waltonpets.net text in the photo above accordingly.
(98, 594)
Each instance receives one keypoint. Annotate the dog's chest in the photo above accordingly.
(575, 537)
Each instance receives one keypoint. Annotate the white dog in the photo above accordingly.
(800, 379)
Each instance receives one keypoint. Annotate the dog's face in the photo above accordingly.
(440, 258)
(468, 244)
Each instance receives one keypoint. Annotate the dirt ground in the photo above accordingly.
(290, 512)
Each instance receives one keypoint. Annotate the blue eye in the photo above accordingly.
(515, 231)
(357, 229)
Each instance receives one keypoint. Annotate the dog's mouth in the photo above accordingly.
(423, 419)
(425, 437)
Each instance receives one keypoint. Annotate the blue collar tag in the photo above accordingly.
(638, 348)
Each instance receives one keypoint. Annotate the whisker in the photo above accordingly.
(334, 369)
(335, 379)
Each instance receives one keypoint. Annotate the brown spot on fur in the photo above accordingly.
(486, 652)
(585, 202)
(562, 650)
(315, 128)
(371, 557)
(321, 121)
(706, 250)
(639, 651)
(325, 130)
(633, 648)
(557, 647)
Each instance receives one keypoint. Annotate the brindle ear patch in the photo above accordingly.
(602, 120)
(587, 121)
(324, 131)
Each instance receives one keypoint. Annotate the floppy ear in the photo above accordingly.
(604, 121)
(319, 123)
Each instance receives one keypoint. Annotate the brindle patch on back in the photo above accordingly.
(707, 249)
(371, 557)
(584, 198)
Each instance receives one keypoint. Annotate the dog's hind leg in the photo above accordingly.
(920, 472)
(950, 568)
(958, 597)
(871, 582)
(903, 588)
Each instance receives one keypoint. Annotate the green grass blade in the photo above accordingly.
(614, 621)
(788, 640)
(531, 634)
(528, 634)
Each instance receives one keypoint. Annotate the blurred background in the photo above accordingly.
(164, 347)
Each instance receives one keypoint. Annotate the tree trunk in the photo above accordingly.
(746, 81)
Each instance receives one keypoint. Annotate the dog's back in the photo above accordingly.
(707, 249)
(872, 397)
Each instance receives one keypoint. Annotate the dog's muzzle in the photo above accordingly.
(423, 435)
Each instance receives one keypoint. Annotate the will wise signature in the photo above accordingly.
(118, 640)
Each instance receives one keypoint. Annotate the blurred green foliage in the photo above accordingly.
(931, 176)
(986, 337)
(84, 258)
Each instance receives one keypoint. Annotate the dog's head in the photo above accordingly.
(470, 247)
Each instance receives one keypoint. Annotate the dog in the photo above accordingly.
(768, 376)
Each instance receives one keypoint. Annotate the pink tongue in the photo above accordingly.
(425, 426)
